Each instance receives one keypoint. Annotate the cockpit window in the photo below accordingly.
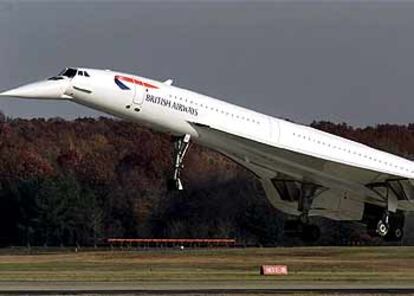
(68, 72)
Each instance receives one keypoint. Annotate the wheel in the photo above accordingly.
(382, 228)
(395, 234)
(390, 227)
(398, 233)
(310, 233)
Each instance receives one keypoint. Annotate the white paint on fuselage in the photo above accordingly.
(229, 118)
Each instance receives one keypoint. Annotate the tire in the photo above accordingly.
(395, 235)
(382, 229)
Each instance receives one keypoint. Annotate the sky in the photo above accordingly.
(340, 61)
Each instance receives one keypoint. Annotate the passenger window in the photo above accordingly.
(86, 74)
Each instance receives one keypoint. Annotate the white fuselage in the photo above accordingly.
(172, 109)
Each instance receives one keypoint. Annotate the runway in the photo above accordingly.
(312, 270)
(234, 288)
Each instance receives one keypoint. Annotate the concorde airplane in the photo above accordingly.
(304, 172)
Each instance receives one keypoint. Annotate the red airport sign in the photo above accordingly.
(274, 270)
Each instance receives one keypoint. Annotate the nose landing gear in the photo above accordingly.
(181, 145)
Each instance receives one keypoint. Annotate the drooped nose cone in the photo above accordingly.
(48, 89)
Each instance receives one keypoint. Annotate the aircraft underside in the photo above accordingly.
(305, 195)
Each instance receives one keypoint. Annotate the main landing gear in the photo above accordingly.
(181, 145)
(385, 224)
(390, 227)
(388, 222)
(302, 227)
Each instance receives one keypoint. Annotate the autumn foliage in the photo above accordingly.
(78, 182)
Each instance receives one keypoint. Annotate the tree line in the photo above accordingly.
(79, 182)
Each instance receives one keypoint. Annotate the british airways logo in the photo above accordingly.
(119, 80)
(120, 84)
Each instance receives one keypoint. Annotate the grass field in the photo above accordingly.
(316, 264)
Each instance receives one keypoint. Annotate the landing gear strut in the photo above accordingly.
(307, 194)
(302, 227)
(181, 145)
